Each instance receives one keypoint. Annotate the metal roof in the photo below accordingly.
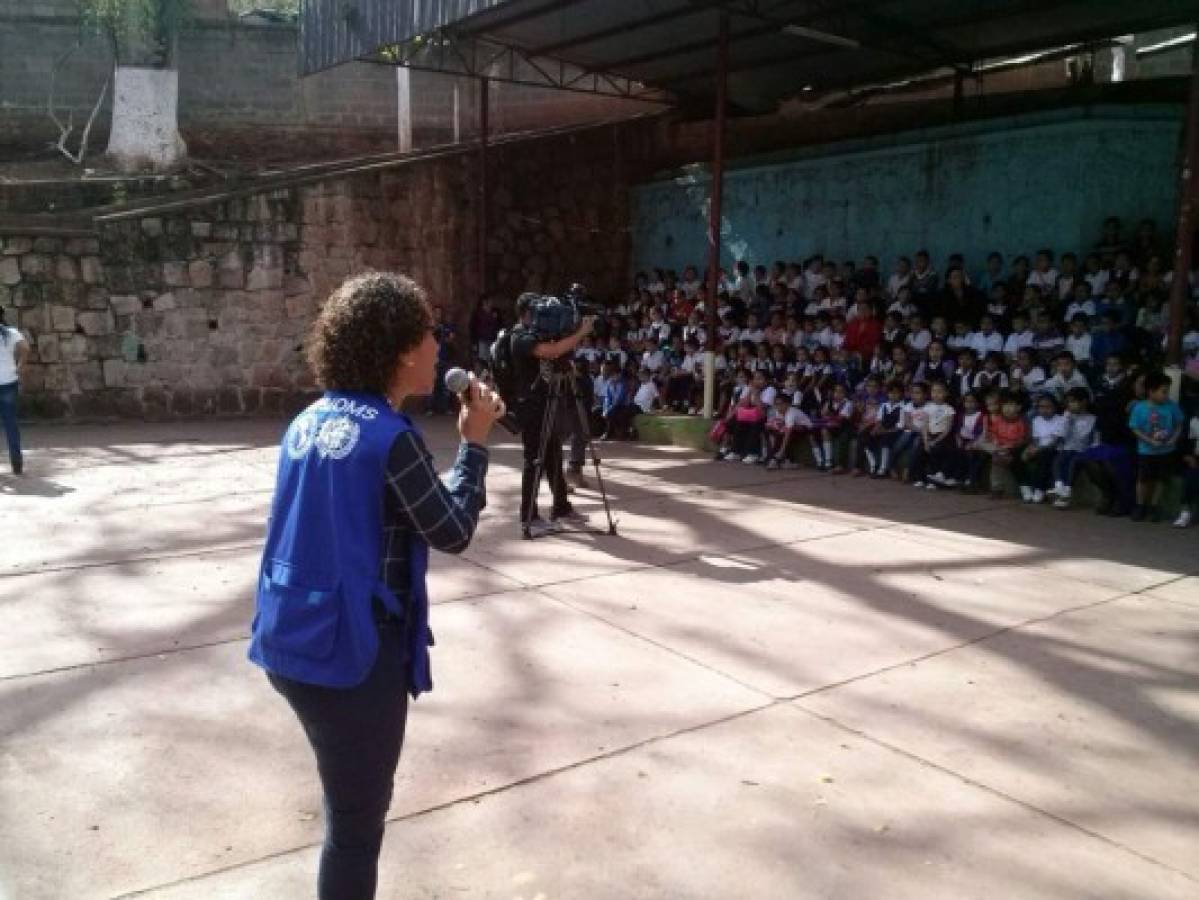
(666, 49)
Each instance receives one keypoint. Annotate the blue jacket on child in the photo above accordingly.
(322, 564)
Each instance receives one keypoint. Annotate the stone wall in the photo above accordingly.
(559, 209)
(203, 308)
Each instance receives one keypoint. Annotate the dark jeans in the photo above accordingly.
(577, 429)
(968, 465)
(747, 437)
(678, 390)
(1035, 473)
(938, 460)
(1110, 469)
(8, 415)
(618, 420)
(531, 416)
(1190, 486)
(356, 734)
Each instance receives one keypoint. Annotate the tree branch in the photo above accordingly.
(65, 130)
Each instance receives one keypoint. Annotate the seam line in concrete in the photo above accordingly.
(469, 799)
(205, 645)
(790, 702)
(153, 557)
(658, 645)
(993, 791)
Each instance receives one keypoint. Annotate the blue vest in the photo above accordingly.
(322, 563)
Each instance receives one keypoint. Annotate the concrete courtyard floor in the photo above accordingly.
(769, 685)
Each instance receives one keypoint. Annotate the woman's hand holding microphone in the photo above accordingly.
(481, 406)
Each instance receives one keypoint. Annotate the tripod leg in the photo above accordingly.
(548, 418)
(585, 423)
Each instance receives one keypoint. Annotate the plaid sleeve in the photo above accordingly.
(444, 511)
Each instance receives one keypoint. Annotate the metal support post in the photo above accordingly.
(1180, 289)
(717, 191)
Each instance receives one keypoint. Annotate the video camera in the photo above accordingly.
(554, 318)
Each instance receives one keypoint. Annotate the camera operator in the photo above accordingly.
(532, 359)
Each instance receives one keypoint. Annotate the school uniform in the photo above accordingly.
(1017, 341)
(836, 430)
(982, 343)
(1034, 474)
(938, 425)
(967, 459)
(1078, 436)
(881, 443)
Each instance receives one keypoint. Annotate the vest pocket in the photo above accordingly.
(299, 614)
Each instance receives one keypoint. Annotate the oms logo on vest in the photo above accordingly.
(334, 438)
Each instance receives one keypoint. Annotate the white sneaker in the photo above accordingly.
(1038, 496)
(1061, 503)
(1026, 494)
(937, 477)
(949, 482)
(1184, 519)
(1055, 490)
(931, 486)
(1065, 492)
(751, 459)
(919, 484)
(772, 464)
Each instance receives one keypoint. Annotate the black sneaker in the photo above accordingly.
(566, 514)
(18, 466)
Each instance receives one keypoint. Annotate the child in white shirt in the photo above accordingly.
(1078, 341)
(1043, 276)
(1026, 375)
(1034, 467)
(785, 425)
(1020, 337)
(934, 449)
(646, 398)
(1190, 476)
(911, 428)
(1078, 436)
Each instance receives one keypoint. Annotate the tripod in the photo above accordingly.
(561, 386)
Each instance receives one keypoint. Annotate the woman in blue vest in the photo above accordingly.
(341, 621)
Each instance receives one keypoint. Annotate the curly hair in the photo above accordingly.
(363, 327)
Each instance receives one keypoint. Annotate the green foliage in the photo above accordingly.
(145, 29)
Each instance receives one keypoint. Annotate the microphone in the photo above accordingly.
(457, 381)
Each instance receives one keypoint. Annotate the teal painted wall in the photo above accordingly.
(1012, 185)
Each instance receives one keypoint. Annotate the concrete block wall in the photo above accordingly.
(241, 94)
(1012, 184)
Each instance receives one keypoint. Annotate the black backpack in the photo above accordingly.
(502, 368)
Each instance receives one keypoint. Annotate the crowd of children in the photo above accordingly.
(1028, 372)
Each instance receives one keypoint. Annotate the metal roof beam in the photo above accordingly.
(682, 49)
(761, 62)
(944, 50)
(669, 15)
(487, 24)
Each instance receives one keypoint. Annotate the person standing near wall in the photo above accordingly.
(14, 351)
(484, 328)
(444, 333)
